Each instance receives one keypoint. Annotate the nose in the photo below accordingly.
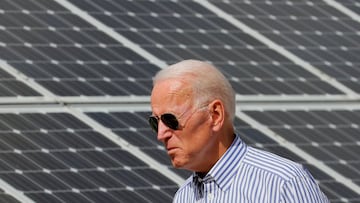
(163, 131)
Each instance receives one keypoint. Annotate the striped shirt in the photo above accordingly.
(247, 174)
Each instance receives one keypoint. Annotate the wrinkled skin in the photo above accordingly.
(197, 145)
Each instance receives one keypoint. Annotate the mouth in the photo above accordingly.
(171, 150)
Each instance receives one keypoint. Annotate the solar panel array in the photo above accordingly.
(314, 31)
(75, 80)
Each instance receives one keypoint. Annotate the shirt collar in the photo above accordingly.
(226, 167)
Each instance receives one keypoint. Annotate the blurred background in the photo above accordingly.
(75, 81)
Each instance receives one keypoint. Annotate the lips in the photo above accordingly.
(171, 149)
(170, 146)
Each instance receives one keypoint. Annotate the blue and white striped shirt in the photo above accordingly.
(247, 174)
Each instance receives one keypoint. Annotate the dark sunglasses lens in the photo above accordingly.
(170, 121)
(153, 121)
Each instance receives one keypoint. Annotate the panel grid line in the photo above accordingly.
(279, 49)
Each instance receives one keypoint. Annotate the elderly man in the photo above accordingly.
(193, 107)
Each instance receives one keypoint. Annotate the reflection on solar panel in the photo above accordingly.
(75, 80)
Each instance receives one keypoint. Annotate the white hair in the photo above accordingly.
(207, 82)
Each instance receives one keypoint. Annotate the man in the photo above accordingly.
(193, 110)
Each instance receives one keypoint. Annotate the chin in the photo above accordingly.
(178, 163)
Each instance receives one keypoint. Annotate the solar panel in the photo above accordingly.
(185, 29)
(12, 87)
(56, 157)
(141, 23)
(317, 32)
(69, 56)
(75, 80)
(7, 198)
(351, 4)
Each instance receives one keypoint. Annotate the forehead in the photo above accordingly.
(170, 94)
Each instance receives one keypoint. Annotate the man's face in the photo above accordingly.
(190, 146)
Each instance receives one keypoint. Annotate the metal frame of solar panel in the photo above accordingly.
(75, 80)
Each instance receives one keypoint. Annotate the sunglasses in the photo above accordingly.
(170, 120)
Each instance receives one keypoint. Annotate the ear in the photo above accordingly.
(217, 113)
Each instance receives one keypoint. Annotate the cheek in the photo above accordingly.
(196, 152)
(198, 138)
(194, 142)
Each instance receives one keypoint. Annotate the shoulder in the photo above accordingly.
(273, 164)
(286, 180)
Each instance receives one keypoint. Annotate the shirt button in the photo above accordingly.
(210, 196)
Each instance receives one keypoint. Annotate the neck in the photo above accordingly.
(224, 142)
